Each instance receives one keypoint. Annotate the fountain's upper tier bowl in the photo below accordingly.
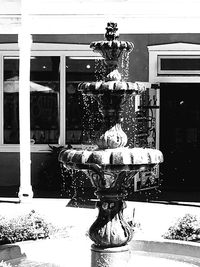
(117, 156)
(113, 45)
(120, 87)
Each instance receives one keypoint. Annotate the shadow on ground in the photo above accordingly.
(87, 200)
(82, 203)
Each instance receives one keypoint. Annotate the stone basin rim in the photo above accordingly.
(122, 156)
(121, 167)
(114, 87)
(173, 247)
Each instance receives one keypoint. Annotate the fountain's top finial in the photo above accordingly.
(111, 48)
(111, 31)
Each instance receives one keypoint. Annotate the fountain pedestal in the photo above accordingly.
(110, 233)
(110, 257)
(110, 229)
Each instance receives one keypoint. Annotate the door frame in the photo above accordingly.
(155, 76)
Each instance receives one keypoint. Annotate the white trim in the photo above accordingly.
(25, 41)
(176, 49)
(62, 110)
(36, 148)
(47, 47)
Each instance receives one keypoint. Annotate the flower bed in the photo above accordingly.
(186, 228)
(30, 226)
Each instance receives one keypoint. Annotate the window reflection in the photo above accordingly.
(82, 113)
(44, 100)
(45, 88)
(11, 100)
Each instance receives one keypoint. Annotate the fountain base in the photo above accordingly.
(110, 229)
(112, 257)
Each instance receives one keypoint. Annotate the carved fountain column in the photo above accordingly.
(110, 232)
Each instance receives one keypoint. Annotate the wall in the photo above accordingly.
(10, 167)
(9, 162)
(139, 56)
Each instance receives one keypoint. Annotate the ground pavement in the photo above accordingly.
(153, 219)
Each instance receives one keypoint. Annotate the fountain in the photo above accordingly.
(111, 166)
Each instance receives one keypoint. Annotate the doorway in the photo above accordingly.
(180, 136)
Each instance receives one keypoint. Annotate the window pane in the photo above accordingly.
(82, 113)
(11, 100)
(180, 64)
(45, 89)
(44, 100)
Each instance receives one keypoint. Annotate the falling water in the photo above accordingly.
(91, 118)
(124, 68)
(74, 186)
(99, 69)
(128, 120)
(91, 123)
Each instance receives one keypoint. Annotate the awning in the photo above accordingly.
(12, 86)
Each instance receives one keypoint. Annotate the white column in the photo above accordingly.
(24, 40)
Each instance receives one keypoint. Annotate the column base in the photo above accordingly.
(25, 194)
(110, 257)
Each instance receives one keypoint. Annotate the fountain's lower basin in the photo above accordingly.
(77, 254)
(112, 173)
(140, 259)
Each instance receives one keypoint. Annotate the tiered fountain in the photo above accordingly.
(112, 165)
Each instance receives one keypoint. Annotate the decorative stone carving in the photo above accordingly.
(110, 228)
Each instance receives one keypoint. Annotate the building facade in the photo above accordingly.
(44, 46)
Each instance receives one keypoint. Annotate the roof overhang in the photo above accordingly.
(91, 16)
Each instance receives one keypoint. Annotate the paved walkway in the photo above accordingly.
(154, 220)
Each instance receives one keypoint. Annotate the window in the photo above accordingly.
(174, 62)
(82, 113)
(45, 90)
(11, 100)
(44, 100)
(59, 113)
(179, 65)
(57, 109)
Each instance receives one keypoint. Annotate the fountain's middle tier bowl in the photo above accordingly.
(120, 87)
(122, 156)
(111, 170)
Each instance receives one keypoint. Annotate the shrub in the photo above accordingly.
(186, 228)
(4, 264)
(27, 227)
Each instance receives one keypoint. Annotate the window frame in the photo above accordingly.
(42, 49)
(170, 49)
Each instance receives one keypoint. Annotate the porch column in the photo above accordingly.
(24, 40)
